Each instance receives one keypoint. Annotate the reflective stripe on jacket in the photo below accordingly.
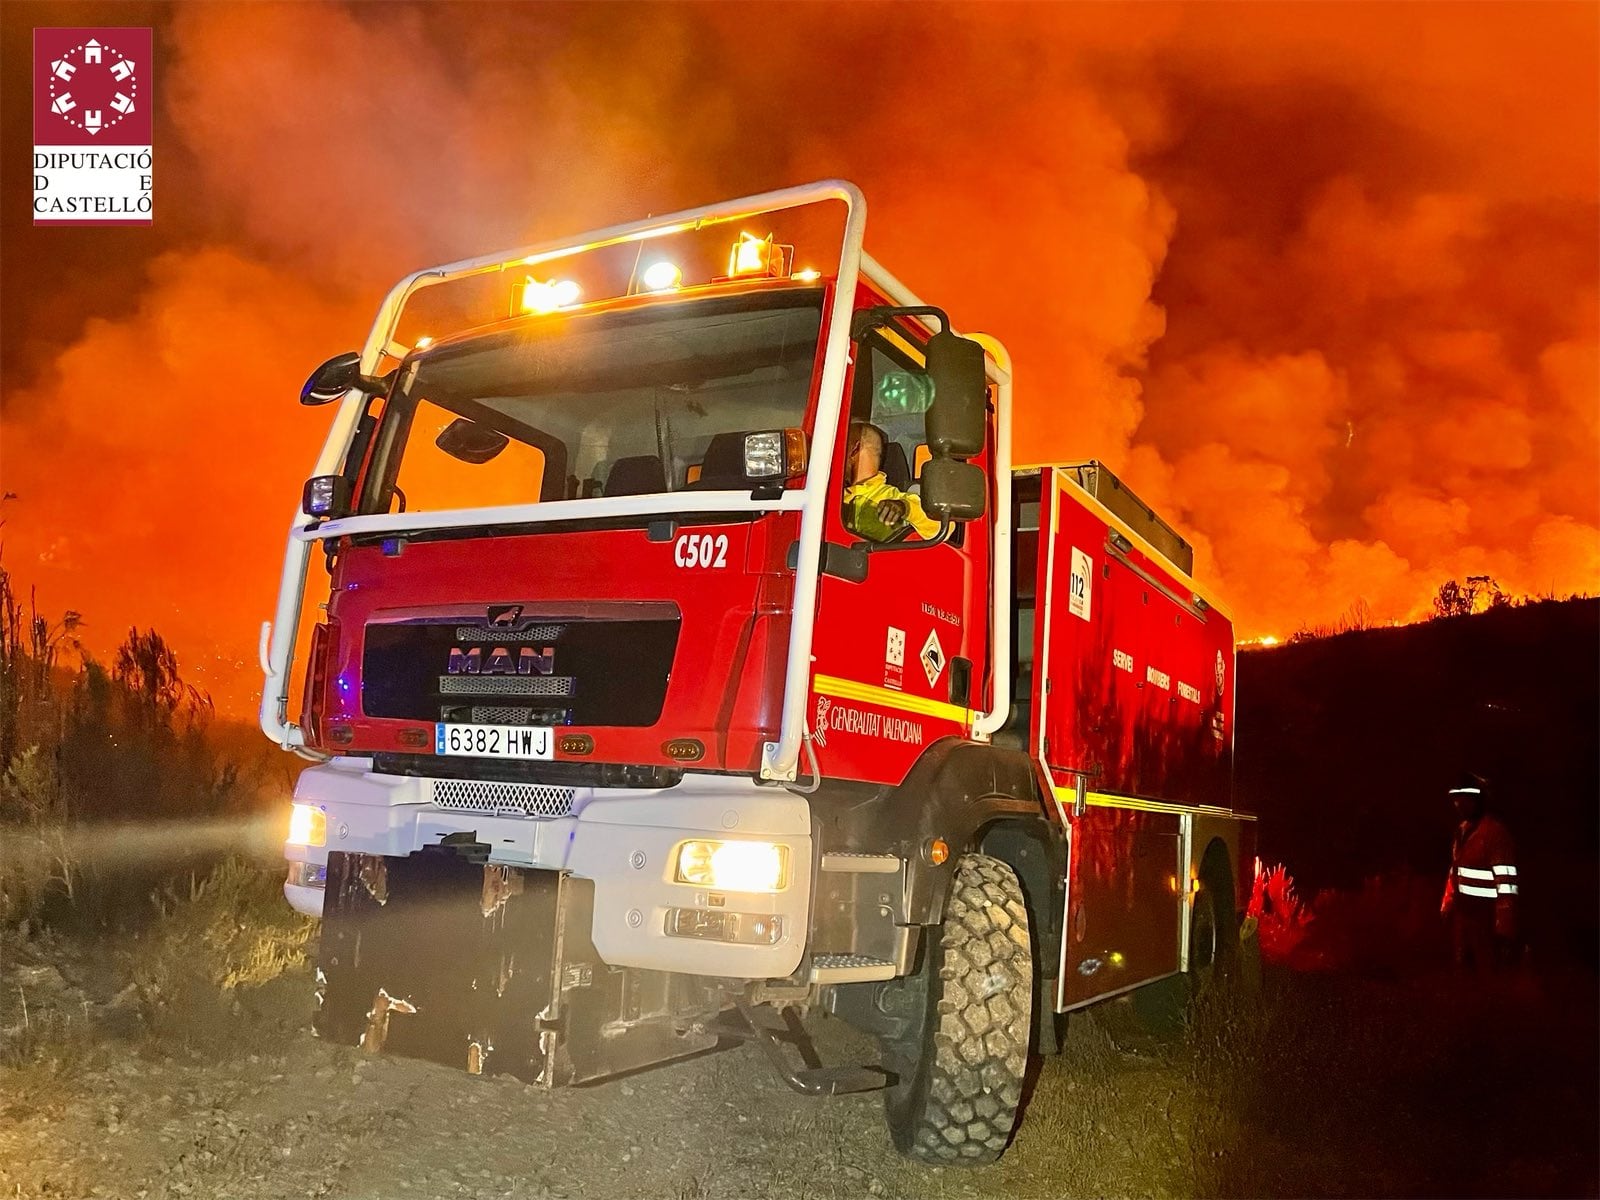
(1484, 862)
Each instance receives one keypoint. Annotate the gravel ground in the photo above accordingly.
(258, 1120)
(1336, 1086)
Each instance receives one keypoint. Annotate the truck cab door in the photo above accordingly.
(900, 659)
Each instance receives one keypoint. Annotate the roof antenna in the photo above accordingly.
(633, 275)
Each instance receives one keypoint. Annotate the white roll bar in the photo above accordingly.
(782, 756)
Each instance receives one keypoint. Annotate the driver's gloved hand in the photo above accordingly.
(866, 518)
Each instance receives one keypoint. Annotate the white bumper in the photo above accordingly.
(624, 839)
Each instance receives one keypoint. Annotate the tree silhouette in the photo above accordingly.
(147, 669)
(1455, 599)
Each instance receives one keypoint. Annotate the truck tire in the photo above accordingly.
(1207, 944)
(962, 1064)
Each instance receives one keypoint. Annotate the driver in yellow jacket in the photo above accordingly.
(873, 507)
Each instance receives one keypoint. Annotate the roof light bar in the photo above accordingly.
(661, 276)
(547, 296)
(753, 256)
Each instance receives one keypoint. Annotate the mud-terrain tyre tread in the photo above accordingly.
(960, 1104)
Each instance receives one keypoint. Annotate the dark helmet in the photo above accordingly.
(1470, 790)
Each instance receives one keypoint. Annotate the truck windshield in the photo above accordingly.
(571, 406)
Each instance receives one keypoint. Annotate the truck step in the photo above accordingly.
(861, 864)
(773, 1030)
(835, 1081)
(849, 968)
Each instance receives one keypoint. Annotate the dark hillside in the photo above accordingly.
(1347, 744)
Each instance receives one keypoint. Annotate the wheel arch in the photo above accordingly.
(988, 800)
(1037, 852)
(1215, 846)
(1213, 868)
(1216, 866)
(957, 792)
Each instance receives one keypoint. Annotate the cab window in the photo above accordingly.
(608, 403)
(505, 470)
(891, 392)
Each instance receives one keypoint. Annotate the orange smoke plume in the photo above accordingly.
(1320, 281)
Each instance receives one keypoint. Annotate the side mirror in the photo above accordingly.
(953, 491)
(338, 375)
(958, 419)
(470, 442)
(332, 379)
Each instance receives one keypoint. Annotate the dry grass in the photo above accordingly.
(214, 941)
(69, 1008)
(228, 931)
(36, 864)
(1322, 1083)
(1389, 927)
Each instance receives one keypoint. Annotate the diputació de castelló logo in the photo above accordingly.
(92, 93)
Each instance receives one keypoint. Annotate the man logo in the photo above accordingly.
(504, 616)
(528, 661)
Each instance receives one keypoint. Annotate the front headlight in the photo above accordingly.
(734, 866)
(308, 826)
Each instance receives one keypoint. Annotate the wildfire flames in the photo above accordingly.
(1319, 281)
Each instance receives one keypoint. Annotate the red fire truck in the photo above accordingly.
(642, 721)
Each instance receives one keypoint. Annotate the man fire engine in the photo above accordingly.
(627, 743)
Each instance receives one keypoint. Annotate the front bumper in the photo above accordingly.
(623, 839)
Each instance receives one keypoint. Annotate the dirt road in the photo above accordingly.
(1333, 1086)
(297, 1118)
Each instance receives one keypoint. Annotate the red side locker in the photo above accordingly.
(1125, 906)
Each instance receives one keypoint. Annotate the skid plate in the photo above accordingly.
(488, 968)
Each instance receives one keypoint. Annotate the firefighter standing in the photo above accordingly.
(1480, 897)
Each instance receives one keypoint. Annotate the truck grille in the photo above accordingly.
(584, 670)
(537, 633)
(505, 685)
(530, 799)
(489, 714)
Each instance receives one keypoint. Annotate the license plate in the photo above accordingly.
(495, 741)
